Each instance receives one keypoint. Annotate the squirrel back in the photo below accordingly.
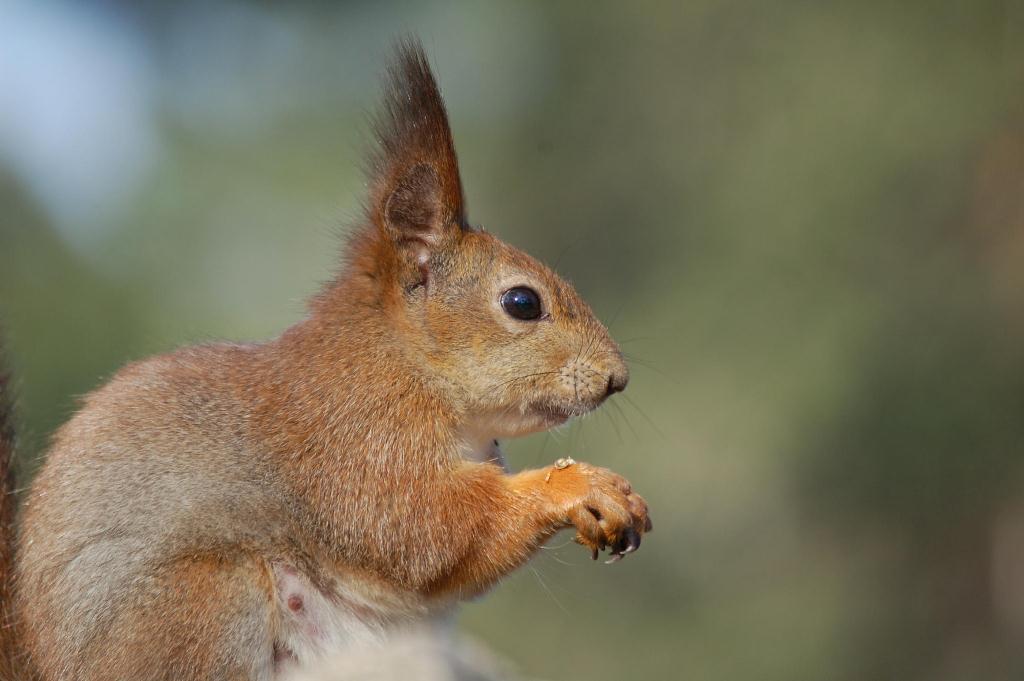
(8, 651)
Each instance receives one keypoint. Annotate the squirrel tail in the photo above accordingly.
(8, 652)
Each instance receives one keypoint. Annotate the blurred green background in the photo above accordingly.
(804, 222)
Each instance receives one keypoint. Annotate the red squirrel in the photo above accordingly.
(234, 511)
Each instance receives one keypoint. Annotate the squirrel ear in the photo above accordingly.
(416, 192)
(414, 209)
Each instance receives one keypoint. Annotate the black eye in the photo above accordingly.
(521, 303)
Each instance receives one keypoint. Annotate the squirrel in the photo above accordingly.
(236, 511)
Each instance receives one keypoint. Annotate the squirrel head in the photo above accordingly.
(510, 343)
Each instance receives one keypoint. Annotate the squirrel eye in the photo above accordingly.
(521, 303)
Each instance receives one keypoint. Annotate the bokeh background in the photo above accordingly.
(804, 221)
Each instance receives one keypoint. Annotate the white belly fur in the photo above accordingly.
(316, 625)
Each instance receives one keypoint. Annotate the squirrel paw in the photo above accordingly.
(608, 514)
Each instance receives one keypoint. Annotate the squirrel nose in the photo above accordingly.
(616, 383)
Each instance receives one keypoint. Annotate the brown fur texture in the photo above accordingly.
(227, 511)
(8, 639)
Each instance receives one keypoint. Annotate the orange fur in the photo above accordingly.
(225, 511)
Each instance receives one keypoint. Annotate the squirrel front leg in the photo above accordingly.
(525, 509)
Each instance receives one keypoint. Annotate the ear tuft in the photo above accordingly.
(416, 191)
